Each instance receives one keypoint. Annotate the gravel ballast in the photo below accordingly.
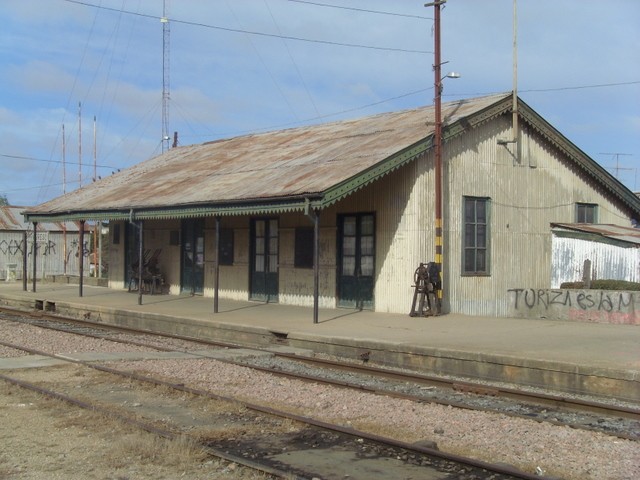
(557, 451)
(531, 446)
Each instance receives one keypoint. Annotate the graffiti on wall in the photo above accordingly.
(583, 305)
(85, 248)
(586, 300)
(12, 247)
(48, 247)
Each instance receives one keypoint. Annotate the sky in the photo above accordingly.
(95, 69)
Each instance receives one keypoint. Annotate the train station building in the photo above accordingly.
(340, 215)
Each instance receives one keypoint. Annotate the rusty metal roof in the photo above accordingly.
(12, 220)
(294, 169)
(274, 166)
(614, 232)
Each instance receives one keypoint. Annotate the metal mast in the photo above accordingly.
(64, 191)
(80, 143)
(64, 162)
(165, 77)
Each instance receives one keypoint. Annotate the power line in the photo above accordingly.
(34, 187)
(251, 32)
(635, 82)
(543, 90)
(409, 94)
(295, 64)
(362, 10)
(18, 157)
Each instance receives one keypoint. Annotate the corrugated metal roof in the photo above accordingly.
(281, 164)
(284, 170)
(12, 219)
(614, 232)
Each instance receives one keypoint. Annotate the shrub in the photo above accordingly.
(604, 285)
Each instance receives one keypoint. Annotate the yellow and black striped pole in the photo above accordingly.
(438, 142)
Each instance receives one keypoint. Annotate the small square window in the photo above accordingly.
(586, 213)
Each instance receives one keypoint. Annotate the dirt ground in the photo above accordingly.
(48, 439)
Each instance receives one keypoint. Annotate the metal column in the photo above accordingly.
(140, 261)
(81, 256)
(35, 246)
(217, 266)
(25, 264)
(316, 263)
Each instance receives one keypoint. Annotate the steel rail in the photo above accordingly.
(537, 398)
(477, 388)
(356, 386)
(147, 427)
(118, 328)
(498, 468)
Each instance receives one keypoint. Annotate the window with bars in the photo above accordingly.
(475, 247)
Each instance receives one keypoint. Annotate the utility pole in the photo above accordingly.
(437, 85)
(95, 178)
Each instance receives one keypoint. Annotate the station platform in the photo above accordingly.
(583, 358)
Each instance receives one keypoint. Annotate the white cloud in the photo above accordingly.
(56, 54)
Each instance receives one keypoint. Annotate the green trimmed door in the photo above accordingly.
(192, 251)
(264, 260)
(356, 260)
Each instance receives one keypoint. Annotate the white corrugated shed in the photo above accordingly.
(56, 246)
(614, 252)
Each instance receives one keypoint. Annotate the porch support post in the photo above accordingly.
(25, 264)
(35, 246)
(81, 257)
(140, 260)
(316, 263)
(217, 266)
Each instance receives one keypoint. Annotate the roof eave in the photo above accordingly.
(227, 208)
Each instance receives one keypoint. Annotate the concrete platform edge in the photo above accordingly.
(565, 377)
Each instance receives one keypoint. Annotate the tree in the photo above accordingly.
(3, 200)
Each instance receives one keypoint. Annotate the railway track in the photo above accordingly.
(306, 448)
(258, 447)
(622, 421)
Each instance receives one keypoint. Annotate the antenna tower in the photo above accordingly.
(165, 77)
(617, 168)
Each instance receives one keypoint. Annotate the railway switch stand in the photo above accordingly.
(426, 285)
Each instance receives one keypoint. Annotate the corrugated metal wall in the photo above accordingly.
(403, 205)
(527, 193)
(50, 256)
(608, 262)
